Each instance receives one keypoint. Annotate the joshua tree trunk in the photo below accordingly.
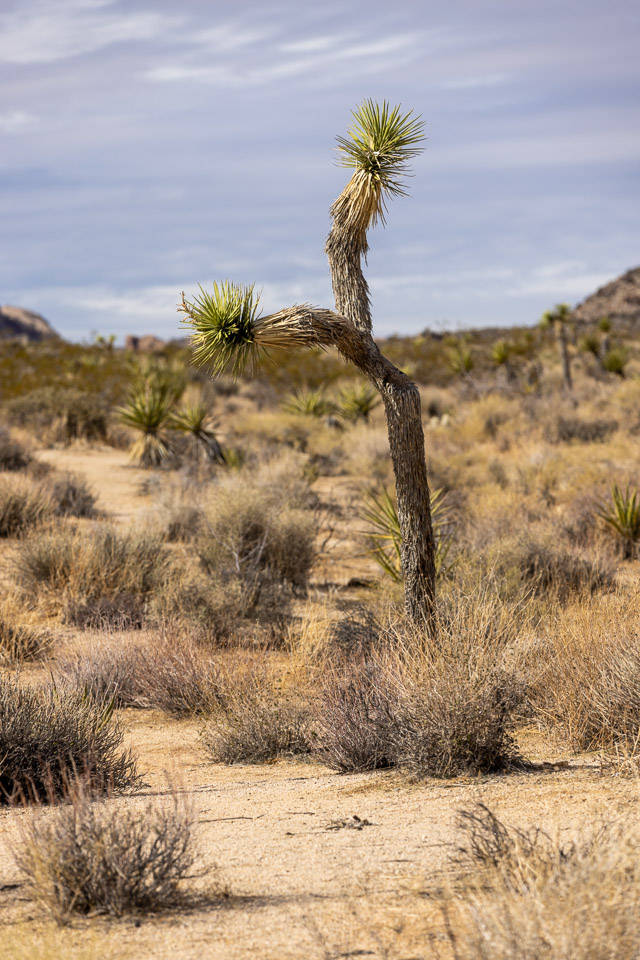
(564, 353)
(345, 247)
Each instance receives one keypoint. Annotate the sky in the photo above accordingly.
(149, 146)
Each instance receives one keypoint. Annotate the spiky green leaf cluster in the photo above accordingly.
(194, 419)
(356, 403)
(623, 515)
(380, 142)
(308, 403)
(500, 353)
(561, 313)
(148, 410)
(223, 324)
(385, 536)
(615, 360)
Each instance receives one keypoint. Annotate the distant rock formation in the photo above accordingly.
(18, 323)
(619, 300)
(145, 344)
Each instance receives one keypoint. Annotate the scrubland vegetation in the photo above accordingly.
(257, 591)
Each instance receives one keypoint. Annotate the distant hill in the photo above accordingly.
(18, 323)
(619, 300)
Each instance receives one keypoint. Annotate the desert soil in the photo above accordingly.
(304, 877)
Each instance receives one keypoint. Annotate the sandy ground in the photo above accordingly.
(302, 881)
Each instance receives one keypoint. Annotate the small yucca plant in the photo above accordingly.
(308, 403)
(622, 514)
(148, 410)
(615, 360)
(460, 360)
(194, 420)
(500, 353)
(385, 537)
(356, 403)
(604, 324)
(590, 344)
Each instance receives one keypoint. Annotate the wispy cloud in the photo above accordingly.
(320, 56)
(17, 121)
(44, 31)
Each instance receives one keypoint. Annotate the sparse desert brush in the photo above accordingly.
(587, 685)
(98, 858)
(22, 639)
(109, 670)
(257, 718)
(532, 897)
(436, 705)
(71, 496)
(259, 534)
(13, 455)
(50, 738)
(24, 504)
(67, 567)
(60, 414)
(565, 429)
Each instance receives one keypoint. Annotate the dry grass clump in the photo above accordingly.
(588, 688)
(256, 719)
(60, 415)
(167, 670)
(21, 639)
(98, 858)
(567, 429)
(439, 705)
(13, 456)
(71, 496)
(96, 575)
(23, 506)
(49, 738)
(533, 898)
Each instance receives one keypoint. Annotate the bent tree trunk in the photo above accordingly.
(406, 442)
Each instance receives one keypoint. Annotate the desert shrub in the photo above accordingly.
(71, 568)
(567, 429)
(71, 496)
(20, 640)
(97, 858)
(167, 670)
(50, 738)
(256, 721)
(588, 689)
(13, 455)
(23, 505)
(354, 720)
(63, 414)
(438, 705)
(548, 569)
(308, 403)
(178, 677)
(184, 522)
(537, 899)
(260, 535)
(213, 606)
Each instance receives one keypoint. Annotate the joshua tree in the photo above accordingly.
(229, 332)
(558, 318)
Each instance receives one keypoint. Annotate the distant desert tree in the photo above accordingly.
(229, 332)
(558, 319)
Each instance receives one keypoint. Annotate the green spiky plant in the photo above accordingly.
(385, 538)
(622, 514)
(358, 402)
(460, 359)
(194, 420)
(558, 320)
(615, 360)
(590, 344)
(308, 403)
(500, 353)
(148, 410)
(229, 334)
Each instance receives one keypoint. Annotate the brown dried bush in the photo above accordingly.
(97, 858)
(13, 455)
(24, 505)
(256, 720)
(50, 738)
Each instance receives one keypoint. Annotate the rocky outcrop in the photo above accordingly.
(619, 300)
(145, 344)
(16, 323)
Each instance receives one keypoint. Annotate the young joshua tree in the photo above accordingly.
(558, 318)
(229, 332)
